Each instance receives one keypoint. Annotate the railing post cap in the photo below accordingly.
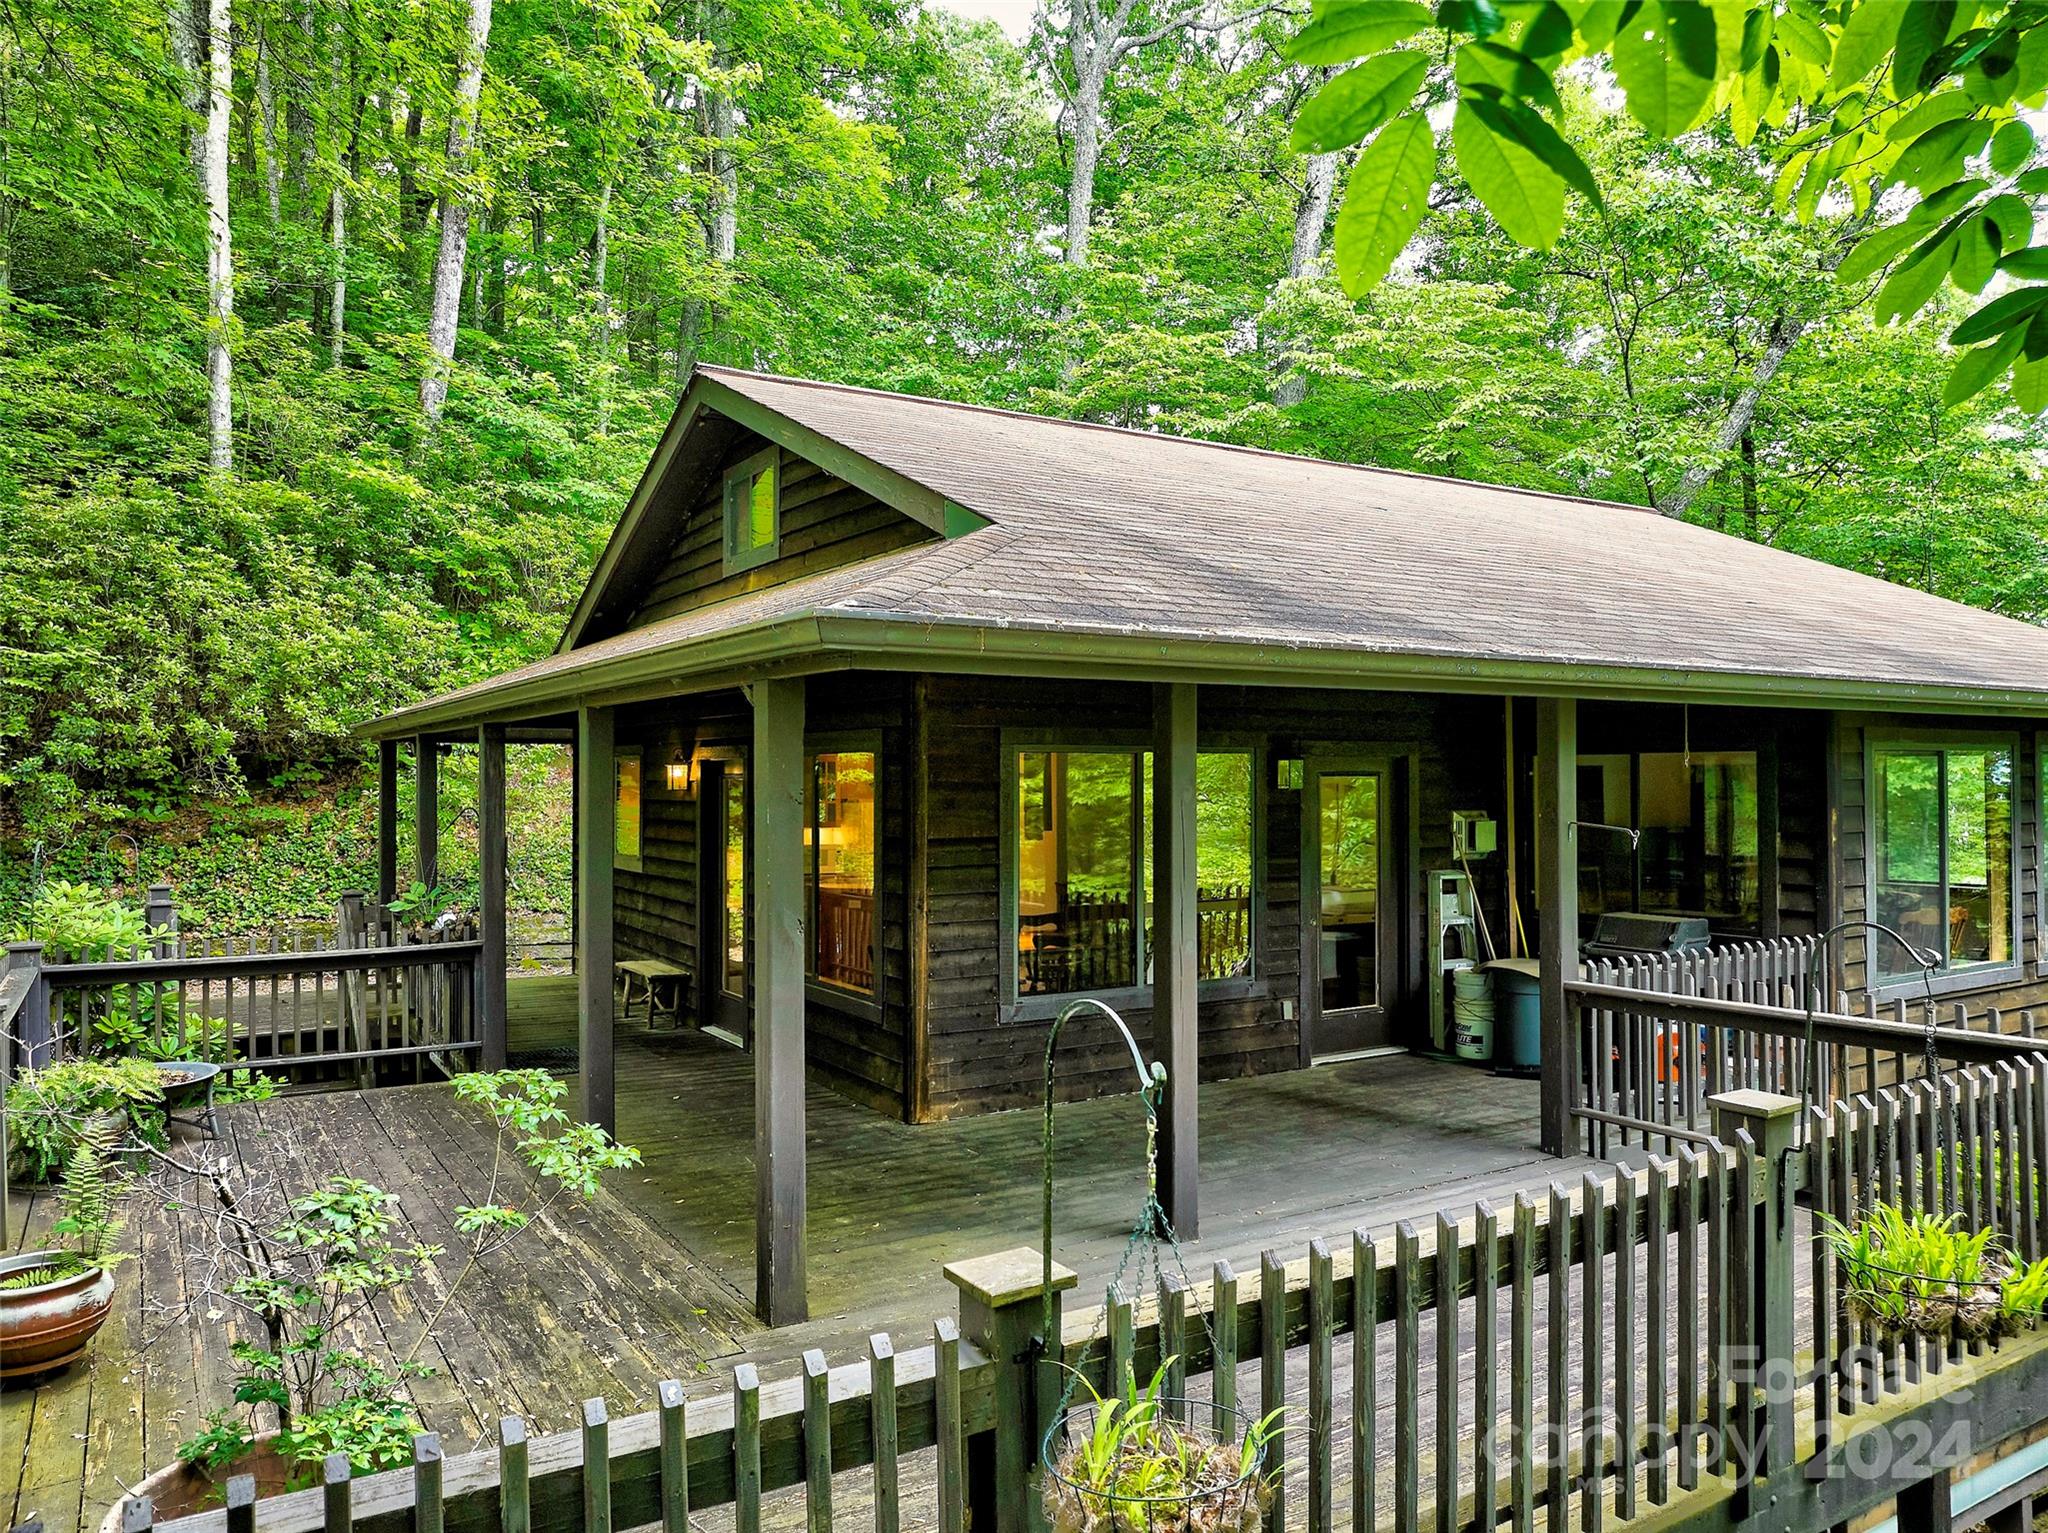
(26, 949)
(1008, 1277)
(1766, 1105)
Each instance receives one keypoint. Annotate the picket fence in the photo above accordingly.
(1591, 1353)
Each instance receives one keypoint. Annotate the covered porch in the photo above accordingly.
(1285, 1157)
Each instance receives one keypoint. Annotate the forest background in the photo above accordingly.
(334, 333)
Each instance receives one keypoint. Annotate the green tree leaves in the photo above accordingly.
(1665, 57)
(1352, 104)
(1385, 200)
(1842, 102)
(1350, 29)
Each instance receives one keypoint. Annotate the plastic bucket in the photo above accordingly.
(1472, 1014)
(1521, 1017)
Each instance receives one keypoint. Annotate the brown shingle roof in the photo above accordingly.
(1113, 532)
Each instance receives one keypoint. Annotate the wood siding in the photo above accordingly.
(825, 523)
(985, 1050)
(859, 1049)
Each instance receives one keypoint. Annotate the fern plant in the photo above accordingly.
(89, 1227)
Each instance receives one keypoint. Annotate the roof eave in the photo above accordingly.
(817, 641)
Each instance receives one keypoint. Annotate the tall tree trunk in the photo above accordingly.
(600, 263)
(220, 262)
(725, 167)
(447, 303)
(298, 113)
(1087, 115)
(266, 109)
(1311, 218)
(1749, 495)
(1784, 335)
(340, 88)
(412, 206)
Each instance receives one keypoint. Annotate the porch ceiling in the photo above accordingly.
(1120, 553)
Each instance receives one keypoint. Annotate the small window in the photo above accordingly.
(839, 872)
(753, 510)
(1698, 836)
(626, 810)
(1943, 831)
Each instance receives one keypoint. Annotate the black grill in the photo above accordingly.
(1630, 934)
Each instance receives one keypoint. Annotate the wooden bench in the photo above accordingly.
(654, 977)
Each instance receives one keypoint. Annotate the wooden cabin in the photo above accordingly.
(900, 724)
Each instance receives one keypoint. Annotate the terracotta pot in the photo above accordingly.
(47, 1326)
(178, 1490)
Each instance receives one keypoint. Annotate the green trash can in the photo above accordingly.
(1518, 1010)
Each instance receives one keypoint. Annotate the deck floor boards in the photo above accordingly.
(654, 1278)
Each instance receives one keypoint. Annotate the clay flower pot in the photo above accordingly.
(48, 1325)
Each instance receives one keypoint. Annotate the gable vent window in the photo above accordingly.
(753, 511)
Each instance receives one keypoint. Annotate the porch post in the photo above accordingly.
(426, 789)
(490, 839)
(595, 787)
(1557, 810)
(387, 821)
(779, 1173)
(1174, 971)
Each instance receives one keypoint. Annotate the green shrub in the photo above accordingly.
(50, 1110)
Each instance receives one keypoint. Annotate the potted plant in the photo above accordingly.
(49, 1111)
(421, 910)
(1138, 1461)
(1918, 1273)
(53, 1301)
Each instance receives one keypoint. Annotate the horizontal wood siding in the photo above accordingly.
(981, 1052)
(656, 909)
(826, 522)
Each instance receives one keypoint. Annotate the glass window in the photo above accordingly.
(752, 511)
(1084, 828)
(839, 873)
(1942, 827)
(1223, 865)
(1348, 881)
(626, 808)
(733, 791)
(1697, 847)
(1078, 824)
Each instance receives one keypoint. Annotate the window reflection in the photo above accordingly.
(839, 874)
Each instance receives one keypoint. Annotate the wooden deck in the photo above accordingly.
(654, 1279)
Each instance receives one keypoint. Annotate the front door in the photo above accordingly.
(1355, 917)
(724, 884)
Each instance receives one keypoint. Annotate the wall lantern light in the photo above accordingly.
(678, 773)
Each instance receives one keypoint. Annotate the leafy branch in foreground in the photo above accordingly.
(1916, 112)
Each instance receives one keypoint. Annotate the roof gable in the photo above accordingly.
(663, 555)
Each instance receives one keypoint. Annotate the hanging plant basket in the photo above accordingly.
(1942, 1308)
(1160, 1466)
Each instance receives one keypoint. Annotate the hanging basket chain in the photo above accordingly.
(1152, 1235)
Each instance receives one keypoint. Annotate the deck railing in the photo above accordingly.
(1646, 1067)
(361, 1002)
(1674, 1338)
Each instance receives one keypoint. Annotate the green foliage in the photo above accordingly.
(1909, 1271)
(1136, 1465)
(90, 1199)
(77, 923)
(1911, 113)
(50, 1111)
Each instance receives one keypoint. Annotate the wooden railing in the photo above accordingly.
(1644, 1071)
(362, 1000)
(1674, 1338)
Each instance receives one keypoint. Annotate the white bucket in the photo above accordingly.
(1472, 1014)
